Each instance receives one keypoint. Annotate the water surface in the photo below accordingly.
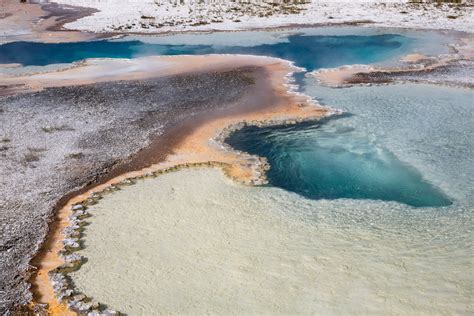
(331, 161)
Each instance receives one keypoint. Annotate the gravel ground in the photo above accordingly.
(457, 73)
(59, 140)
(148, 16)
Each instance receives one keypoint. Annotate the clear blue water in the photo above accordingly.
(350, 157)
(330, 161)
(309, 51)
(409, 143)
(426, 126)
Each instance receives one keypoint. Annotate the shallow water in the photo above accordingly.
(195, 242)
(399, 143)
(426, 126)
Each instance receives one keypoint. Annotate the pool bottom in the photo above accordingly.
(193, 241)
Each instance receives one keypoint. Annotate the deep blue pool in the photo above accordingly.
(309, 51)
(331, 161)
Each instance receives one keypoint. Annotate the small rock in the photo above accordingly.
(78, 297)
(77, 207)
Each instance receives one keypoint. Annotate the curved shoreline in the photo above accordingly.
(322, 12)
(359, 75)
(44, 21)
(236, 174)
(415, 65)
(44, 18)
(203, 145)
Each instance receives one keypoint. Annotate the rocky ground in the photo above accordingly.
(149, 16)
(60, 139)
(457, 74)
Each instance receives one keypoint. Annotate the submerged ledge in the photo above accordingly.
(203, 146)
(417, 68)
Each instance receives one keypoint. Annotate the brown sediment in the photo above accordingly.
(362, 74)
(195, 141)
(416, 64)
(339, 76)
(414, 58)
(104, 70)
(42, 22)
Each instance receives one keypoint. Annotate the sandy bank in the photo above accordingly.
(105, 70)
(41, 22)
(148, 17)
(445, 69)
(180, 107)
